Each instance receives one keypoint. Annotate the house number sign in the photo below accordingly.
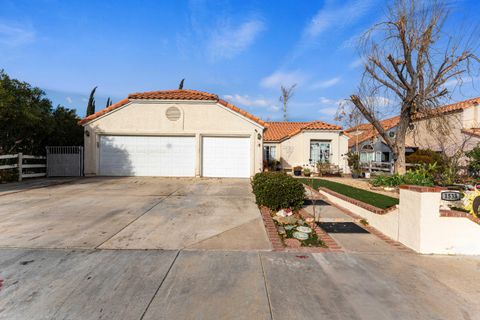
(451, 195)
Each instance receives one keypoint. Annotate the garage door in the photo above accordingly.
(147, 156)
(226, 157)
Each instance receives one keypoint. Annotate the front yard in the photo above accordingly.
(375, 199)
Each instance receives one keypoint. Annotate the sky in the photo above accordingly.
(243, 51)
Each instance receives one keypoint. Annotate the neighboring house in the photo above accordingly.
(445, 129)
(173, 133)
(305, 143)
(192, 133)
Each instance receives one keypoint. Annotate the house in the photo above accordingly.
(187, 133)
(444, 129)
(305, 143)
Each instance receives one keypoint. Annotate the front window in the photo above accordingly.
(269, 153)
(319, 151)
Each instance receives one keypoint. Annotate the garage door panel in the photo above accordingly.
(147, 156)
(226, 157)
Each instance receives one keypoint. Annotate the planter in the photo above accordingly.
(297, 173)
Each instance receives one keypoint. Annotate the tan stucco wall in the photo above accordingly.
(296, 150)
(145, 117)
(445, 134)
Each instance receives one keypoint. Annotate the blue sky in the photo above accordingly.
(241, 50)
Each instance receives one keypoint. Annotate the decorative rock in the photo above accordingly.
(289, 227)
(281, 230)
(300, 222)
(285, 220)
(293, 243)
(304, 229)
(281, 213)
(300, 235)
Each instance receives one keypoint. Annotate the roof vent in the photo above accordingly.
(173, 113)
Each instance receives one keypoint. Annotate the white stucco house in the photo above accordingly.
(187, 133)
(305, 143)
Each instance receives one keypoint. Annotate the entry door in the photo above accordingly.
(147, 156)
(226, 157)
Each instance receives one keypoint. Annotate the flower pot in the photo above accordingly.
(297, 173)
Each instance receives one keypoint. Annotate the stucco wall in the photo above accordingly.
(417, 224)
(144, 117)
(296, 150)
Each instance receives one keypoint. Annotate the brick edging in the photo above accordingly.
(356, 202)
(272, 232)
(325, 237)
(421, 188)
(277, 243)
(459, 214)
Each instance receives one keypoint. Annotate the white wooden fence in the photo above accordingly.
(21, 166)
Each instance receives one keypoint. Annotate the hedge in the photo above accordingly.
(277, 190)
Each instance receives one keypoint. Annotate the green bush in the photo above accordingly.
(425, 156)
(276, 190)
(422, 176)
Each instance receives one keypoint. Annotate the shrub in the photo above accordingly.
(474, 161)
(276, 190)
(423, 176)
(424, 156)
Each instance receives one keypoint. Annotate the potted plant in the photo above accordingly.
(307, 172)
(356, 173)
(297, 171)
(353, 160)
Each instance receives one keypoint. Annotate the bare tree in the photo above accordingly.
(287, 94)
(350, 116)
(410, 58)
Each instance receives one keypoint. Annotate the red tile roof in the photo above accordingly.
(174, 95)
(278, 131)
(369, 132)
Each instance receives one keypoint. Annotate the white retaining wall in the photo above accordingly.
(417, 223)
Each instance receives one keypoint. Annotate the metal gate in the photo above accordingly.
(64, 161)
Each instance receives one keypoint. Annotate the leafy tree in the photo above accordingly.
(65, 128)
(91, 102)
(28, 122)
(109, 102)
(180, 85)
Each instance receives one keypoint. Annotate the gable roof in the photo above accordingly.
(173, 95)
(278, 131)
(369, 131)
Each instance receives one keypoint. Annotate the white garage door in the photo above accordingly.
(226, 157)
(147, 156)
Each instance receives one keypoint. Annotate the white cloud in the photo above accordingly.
(69, 99)
(245, 100)
(229, 41)
(329, 106)
(325, 83)
(357, 63)
(331, 16)
(13, 36)
(278, 78)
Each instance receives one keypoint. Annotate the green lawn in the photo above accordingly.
(378, 200)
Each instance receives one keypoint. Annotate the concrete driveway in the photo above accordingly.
(159, 284)
(132, 213)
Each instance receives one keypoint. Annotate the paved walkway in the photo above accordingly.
(350, 242)
(156, 284)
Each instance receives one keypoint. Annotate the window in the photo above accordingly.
(319, 151)
(269, 153)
